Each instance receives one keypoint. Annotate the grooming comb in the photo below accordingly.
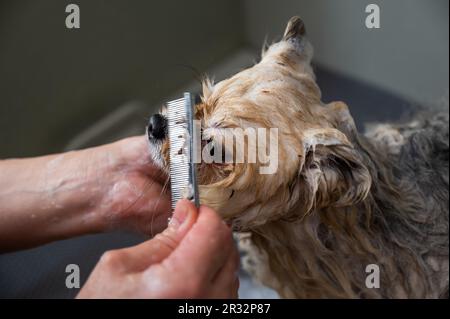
(183, 149)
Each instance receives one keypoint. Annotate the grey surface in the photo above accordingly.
(40, 272)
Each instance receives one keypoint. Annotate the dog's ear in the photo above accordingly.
(295, 30)
(294, 51)
(344, 179)
(332, 172)
(298, 47)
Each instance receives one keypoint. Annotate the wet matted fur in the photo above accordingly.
(340, 200)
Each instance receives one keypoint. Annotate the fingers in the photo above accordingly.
(226, 281)
(140, 257)
(204, 250)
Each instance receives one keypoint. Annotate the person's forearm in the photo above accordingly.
(52, 197)
(114, 186)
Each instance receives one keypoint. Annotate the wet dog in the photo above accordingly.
(340, 203)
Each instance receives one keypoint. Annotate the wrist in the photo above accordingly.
(137, 198)
(132, 188)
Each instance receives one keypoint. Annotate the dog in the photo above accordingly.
(341, 204)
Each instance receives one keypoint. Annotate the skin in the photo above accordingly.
(114, 187)
(193, 258)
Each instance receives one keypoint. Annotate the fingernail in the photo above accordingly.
(180, 215)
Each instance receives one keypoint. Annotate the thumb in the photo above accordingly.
(161, 246)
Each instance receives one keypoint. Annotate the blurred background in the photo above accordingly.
(64, 89)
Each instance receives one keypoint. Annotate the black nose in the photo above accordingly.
(157, 127)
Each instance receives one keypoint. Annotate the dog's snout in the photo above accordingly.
(157, 127)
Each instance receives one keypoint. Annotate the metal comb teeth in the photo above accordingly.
(183, 175)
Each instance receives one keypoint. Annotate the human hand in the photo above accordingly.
(134, 192)
(195, 257)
